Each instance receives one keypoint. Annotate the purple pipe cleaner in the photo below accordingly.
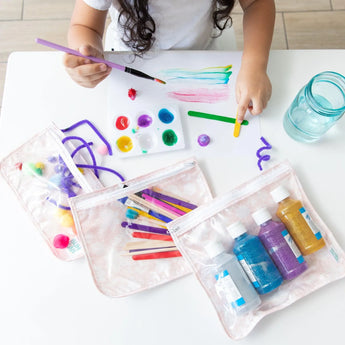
(94, 129)
(80, 147)
(258, 152)
(87, 166)
(88, 148)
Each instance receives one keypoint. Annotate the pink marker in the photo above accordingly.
(162, 204)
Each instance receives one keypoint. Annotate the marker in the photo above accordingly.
(94, 59)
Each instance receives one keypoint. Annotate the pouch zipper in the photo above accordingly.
(183, 224)
(136, 186)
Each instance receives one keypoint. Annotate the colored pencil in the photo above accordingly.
(170, 199)
(99, 60)
(162, 204)
(154, 209)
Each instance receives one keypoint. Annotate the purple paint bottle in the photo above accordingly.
(279, 245)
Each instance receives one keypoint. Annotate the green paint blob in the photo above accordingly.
(169, 137)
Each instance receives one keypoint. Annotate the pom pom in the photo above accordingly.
(203, 140)
(61, 241)
(102, 150)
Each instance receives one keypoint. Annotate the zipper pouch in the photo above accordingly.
(123, 228)
(44, 176)
(258, 248)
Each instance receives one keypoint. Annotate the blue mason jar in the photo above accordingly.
(316, 108)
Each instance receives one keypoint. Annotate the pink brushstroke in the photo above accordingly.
(201, 95)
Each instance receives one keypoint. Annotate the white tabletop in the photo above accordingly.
(47, 301)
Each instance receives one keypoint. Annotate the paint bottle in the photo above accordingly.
(232, 283)
(254, 259)
(280, 245)
(298, 222)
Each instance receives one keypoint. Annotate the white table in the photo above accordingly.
(46, 301)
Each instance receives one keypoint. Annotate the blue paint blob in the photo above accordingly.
(166, 116)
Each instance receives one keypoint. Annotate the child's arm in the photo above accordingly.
(85, 34)
(253, 87)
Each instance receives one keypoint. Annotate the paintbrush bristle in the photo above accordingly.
(160, 81)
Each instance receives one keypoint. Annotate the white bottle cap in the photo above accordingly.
(279, 194)
(214, 248)
(236, 229)
(261, 216)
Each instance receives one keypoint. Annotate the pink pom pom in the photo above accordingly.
(61, 241)
(102, 150)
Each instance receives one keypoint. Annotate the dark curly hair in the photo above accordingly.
(139, 27)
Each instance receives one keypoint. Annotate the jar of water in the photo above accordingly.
(316, 108)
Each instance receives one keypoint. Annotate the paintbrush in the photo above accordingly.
(94, 59)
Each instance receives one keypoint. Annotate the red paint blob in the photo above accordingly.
(132, 93)
(122, 122)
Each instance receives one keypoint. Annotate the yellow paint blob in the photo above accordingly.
(124, 143)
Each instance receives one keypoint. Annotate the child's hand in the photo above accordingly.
(253, 91)
(84, 71)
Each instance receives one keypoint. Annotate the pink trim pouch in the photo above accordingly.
(194, 232)
(44, 176)
(123, 227)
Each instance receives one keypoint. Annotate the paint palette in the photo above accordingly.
(150, 130)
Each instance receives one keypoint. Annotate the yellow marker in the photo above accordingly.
(237, 127)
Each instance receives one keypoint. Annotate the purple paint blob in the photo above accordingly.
(144, 120)
(203, 140)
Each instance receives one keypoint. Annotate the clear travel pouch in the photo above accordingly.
(208, 224)
(44, 176)
(123, 227)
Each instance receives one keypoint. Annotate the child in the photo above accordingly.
(141, 25)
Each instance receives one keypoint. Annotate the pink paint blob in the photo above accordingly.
(61, 241)
(202, 95)
(102, 150)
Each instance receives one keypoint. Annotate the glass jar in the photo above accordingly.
(316, 108)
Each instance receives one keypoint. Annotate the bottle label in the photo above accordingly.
(312, 226)
(248, 271)
(293, 246)
(226, 287)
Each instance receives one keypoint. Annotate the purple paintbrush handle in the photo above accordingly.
(75, 52)
(145, 228)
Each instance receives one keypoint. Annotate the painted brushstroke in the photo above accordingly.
(201, 95)
(209, 75)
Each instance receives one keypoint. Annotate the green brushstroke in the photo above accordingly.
(209, 75)
(216, 117)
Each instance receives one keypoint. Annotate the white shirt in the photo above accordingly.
(180, 24)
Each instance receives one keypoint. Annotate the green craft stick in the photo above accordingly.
(216, 117)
